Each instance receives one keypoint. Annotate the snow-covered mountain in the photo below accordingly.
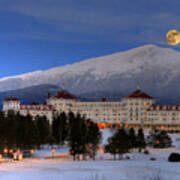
(156, 70)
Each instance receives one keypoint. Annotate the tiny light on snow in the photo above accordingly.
(20, 157)
(11, 151)
(5, 150)
(53, 150)
(18, 151)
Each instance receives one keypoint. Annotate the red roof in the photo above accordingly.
(139, 94)
(34, 103)
(65, 95)
(164, 108)
(11, 99)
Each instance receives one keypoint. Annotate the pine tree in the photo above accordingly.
(43, 128)
(60, 128)
(93, 138)
(30, 133)
(133, 138)
(160, 139)
(50, 140)
(78, 136)
(119, 143)
(2, 131)
(111, 146)
(140, 142)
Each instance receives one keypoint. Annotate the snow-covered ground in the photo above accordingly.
(138, 167)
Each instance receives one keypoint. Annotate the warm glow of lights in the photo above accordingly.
(126, 126)
(53, 150)
(1, 158)
(157, 142)
(101, 125)
(11, 151)
(18, 151)
(120, 125)
(173, 37)
(161, 118)
(145, 103)
(32, 151)
(5, 150)
(20, 157)
(15, 156)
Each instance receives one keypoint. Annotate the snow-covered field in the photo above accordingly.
(138, 167)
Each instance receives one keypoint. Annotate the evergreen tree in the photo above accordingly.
(111, 146)
(119, 143)
(78, 136)
(123, 141)
(43, 128)
(50, 140)
(30, 133)
(11, 129)
(133, 138)
(93, 138)
(70, 122)
(59, 128)
(140, 142)
(2, 131)
(160, 139)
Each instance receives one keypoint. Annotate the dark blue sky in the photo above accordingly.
(40, 34)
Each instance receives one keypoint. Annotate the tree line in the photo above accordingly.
(81, 135)
(124, 140)
(23, 132)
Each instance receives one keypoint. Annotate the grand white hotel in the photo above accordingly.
(136, 110)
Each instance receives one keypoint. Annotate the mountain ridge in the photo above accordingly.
(151, 67)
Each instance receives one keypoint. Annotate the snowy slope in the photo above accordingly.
(151, 67)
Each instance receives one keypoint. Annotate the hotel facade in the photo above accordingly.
(136, 110)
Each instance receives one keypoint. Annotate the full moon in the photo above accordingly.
(173, 37)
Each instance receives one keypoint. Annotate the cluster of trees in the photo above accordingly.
(24, 132)
(123, 140)
(159, 139)
(82, 135)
